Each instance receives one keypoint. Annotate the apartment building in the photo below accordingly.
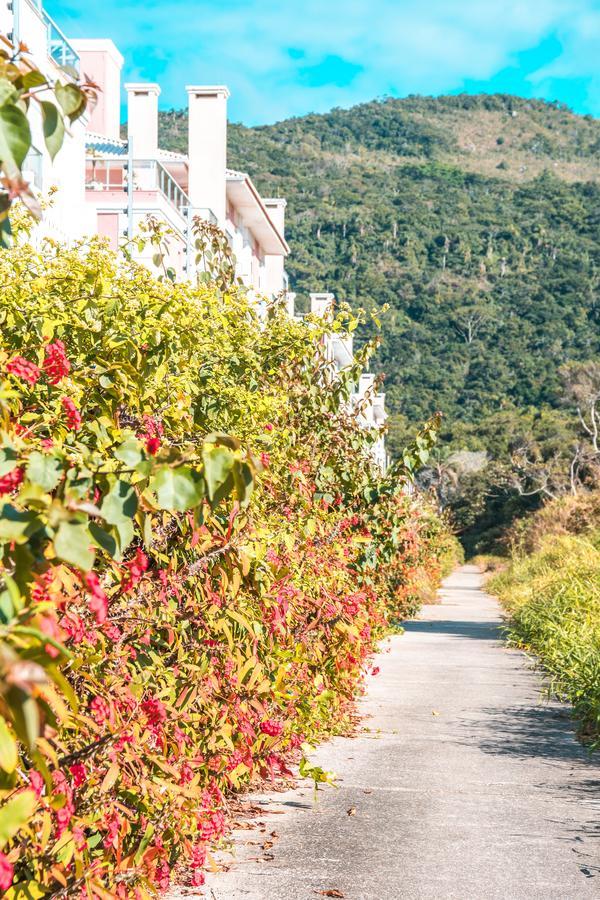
(105, 183)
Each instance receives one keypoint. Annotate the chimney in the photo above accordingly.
(207, 148)
(276, 209)
(142, 118)
(102, 62)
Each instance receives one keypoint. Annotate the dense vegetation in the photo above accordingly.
(551, 589)
(197, 558)
(477, 220)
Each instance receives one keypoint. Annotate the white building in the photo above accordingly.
(108, 184)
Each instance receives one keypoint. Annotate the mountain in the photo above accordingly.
(474, 218)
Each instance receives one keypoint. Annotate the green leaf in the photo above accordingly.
(130, 452)
(71, 99)
(26, 890)
(15, 814)
(8, 460)
(9, 756)
(54, 127)
(103, 539)
(15, 136)
(7, 91)
(44, 470)
(177, 489)
(16, 525)
(72, 545)
(120, 503)
(218, 466)
(244, 481)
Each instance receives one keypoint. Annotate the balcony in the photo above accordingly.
(43, 37)
(149, 175)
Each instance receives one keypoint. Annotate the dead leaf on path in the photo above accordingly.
(351, 811)
(269, 856)
(267, 845)
(367, 791)
(333, 892)
(434, 712)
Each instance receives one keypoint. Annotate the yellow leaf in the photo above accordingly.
(110, 778)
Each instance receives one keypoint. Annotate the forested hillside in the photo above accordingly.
(476, 219)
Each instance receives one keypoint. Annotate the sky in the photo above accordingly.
(283, 59)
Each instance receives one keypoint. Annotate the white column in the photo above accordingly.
(207, 148)
(142, 118)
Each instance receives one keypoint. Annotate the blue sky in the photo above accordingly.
(283, 58)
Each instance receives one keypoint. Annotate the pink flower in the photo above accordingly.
(99, 601)
(162, 875)
(6, 873)
(265, 460)
(100, 710)
(22, 368)
(268, 427)
(56, 364)
(271, 727)
(11, 481)
(72, 414)
(36, 783)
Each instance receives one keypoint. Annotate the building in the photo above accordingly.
(108, 184)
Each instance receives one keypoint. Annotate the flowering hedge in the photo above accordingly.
(197, 559)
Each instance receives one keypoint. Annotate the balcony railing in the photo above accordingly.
(59, 49)
(148, 175)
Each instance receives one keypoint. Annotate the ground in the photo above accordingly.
(466, 782)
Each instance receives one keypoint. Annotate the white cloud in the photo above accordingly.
(402, 46)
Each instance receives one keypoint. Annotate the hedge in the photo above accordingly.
(198, 558)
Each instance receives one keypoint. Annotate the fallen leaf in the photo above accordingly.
(351, 811)
(434, 712)
(367, 791)
(332, 892)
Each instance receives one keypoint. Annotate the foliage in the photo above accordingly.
(490, 274)
(553, 597)
(182, 608)
(59, 102)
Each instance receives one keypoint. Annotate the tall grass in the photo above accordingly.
(553, 597)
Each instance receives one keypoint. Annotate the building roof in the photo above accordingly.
(255, 215)
(100, 145)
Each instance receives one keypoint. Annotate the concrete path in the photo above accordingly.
(467, 783)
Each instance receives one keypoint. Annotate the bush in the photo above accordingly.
(553, 597)
(198, 559)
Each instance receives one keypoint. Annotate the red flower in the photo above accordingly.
(23, 369)
(271, 727)
(56, 364)
(162, 875)
(6, 873)
(79, 774)
(99, 601)
(265, 460)
(268, 427)
(72, 414)
(11, 481)
(136, 566)
(153, 445)
(155, 712)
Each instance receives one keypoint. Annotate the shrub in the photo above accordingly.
(198, 558)
(553, 596)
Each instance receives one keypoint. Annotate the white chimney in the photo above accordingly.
(207, 148)
(142, 119)
(276, 209)
(321, 304)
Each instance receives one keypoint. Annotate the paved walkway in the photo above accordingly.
(468, 784)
